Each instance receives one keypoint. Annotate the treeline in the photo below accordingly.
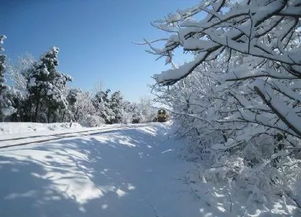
(35, 91)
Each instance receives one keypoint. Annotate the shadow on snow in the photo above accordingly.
(123, 173)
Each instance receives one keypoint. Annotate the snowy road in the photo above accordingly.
(129, 172)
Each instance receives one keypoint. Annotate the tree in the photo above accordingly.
(2, 67)
(101, 102)
(148, 112)
(116, 105)
(82, 108)
(241, 92)
(128, 112)
(267, 30)
(46, 88)
(18, 73)
(5, 103)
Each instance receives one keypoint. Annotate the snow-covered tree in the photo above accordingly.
(136, 116)
(46, 87)
(2, 66)
(147, 110)
(127, 112)
(5, 103)
(267, 30)
(241, 91)
(130, 113)
(259, 43)
(101, 102)
(2, 80)
(116, 105)
(17, 74)
(82, 109)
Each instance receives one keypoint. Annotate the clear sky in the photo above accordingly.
(95, 38)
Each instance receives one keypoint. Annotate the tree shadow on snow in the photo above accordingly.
(88, 176)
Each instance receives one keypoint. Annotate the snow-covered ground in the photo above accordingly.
(14, 129)
(133, 171)
(19, 134)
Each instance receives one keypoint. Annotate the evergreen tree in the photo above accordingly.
(2, 66)
(46, 87)
(101, 102)
(5, 104)
(116, 105)
(72, 98)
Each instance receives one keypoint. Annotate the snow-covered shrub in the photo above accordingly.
(82, 109)
(141, 112)
(129, 111)
(91, 121)
(146, 110)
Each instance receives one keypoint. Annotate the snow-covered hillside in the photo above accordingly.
(132, 171)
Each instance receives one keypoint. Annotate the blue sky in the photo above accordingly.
(95, 38)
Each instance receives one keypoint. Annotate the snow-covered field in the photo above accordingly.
(133, 171)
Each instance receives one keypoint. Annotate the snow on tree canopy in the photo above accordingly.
(5, 103)
(239, 99)
(266, 30)
(2, 65)
(244, 26)
(46, 85)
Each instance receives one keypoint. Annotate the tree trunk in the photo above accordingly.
(37, 110)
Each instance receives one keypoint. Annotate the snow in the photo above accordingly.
(124, 171)
(30, 132)
(240, 26)
(18, 134)
(132, 171)
(16, 129)
(286, 112)
(181, 72)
